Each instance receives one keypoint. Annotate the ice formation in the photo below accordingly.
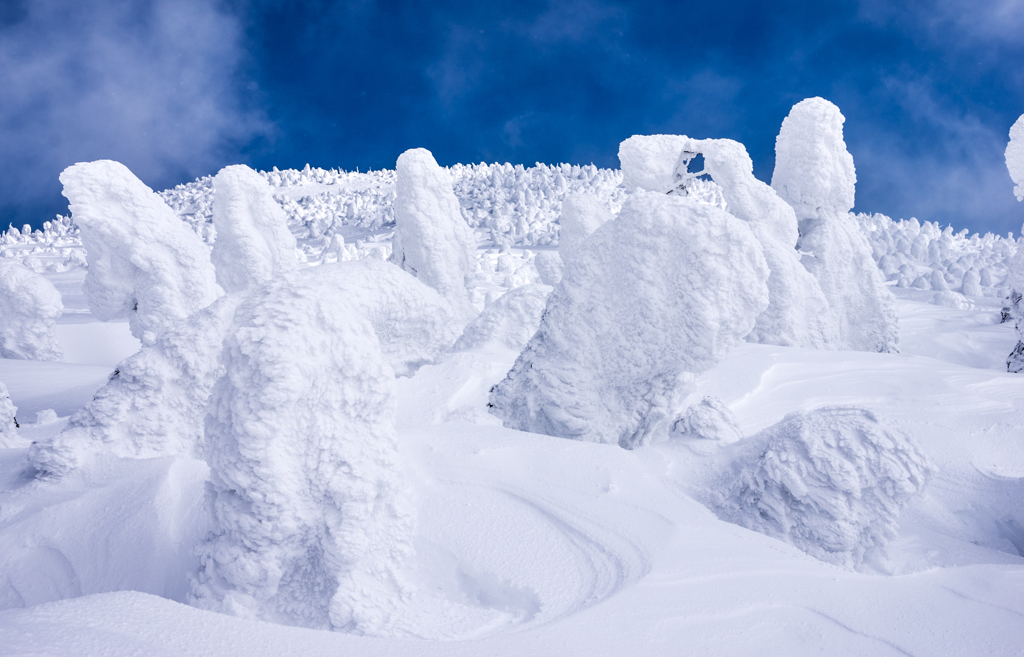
(1015, 157)
(306, 492)
(832, 482)
(29, 308)
(708, 419)
(814, 173)
(668, 287)
(432, 241)
(154, 402)
(253, 242)
(144, 263)
(508, 321)
(8, 411)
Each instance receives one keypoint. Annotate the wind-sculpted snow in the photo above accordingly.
(306, 493)
(8, 412)
(29, 308)
(814, 173)
(144, 263)
(832, 482)
(154, 402)
(668, 287)
(432, 241)
(509, 321)
(253, 243)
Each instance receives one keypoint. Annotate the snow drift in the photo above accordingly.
(814, 173)
(253, 242)
(832, 482)
(144, 263)
(29, 308)
(432, 241)
(305, 487)
(668, 287)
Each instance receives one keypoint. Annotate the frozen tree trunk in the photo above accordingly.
(254, 244)
(307, 496)
(668, 287)
(145, 264)
(29, 308)
(432, 241)
(814, 173)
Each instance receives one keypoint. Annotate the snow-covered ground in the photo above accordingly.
(521, 543)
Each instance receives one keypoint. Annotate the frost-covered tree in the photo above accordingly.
(814, 173)
(582, 214)
(29, 308)
(145, 264)
(306, 491)
(1015, 164)
(668, 287)
(1015, 157)
(8, 423)
(509, 321)
(253, 242)
(831, 482)
(798, 313)
(432, 241)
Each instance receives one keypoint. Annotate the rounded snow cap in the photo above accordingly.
(1015, 157)
(814, 172)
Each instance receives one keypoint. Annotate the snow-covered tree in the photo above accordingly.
(832, 482)
(29, 308)
(668, 287)
(814, 173)
(253, 243)
(1015, 165)
(509, 321)
(306, 491)
(145, 264)
(582, 214)
(8, 424)
(432, 241)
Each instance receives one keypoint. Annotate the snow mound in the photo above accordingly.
(668, 287)
(832, 482)
(8, 411)
(29, 308)
(1015, 157)
(305, 483)
(432, 241)
(708, 419)
(951, 299)
(581, 216)
(144, 263)
(509, 321)
(253, 241)
(154, 402)
(814, 173)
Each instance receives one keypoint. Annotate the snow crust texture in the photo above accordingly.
(305, 487)
(1015, 157)
(253, 240)
(145, 264)
(831, 482)
(8, 411)
(668, 287)
(432, 241)
(814, 173)
(29, 308)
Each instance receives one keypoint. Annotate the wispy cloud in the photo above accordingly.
(150, 84)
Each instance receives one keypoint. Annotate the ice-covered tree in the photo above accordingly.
(432, 241)
(668, 287)
(8, 423)
(814, 173)
(29, 308)
(582, 214)
(306, 491)
(831, 482)
(253, 243)
(1015, 164)
(509, 321)
(1015, 157)
(145, 264)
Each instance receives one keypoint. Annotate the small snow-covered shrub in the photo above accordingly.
(154, 402)
(831, 482)
(814, 173)
(951, 299)
(509, 321)
(668, 287)
(144, 262)
(29, 308)
(708, 419)
(432, 240)
(549, 267)
(8, 411)
(253, 242)
(305, 485)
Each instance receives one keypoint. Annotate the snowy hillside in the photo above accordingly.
(484, 409)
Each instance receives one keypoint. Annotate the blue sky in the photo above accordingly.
(178, 88)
